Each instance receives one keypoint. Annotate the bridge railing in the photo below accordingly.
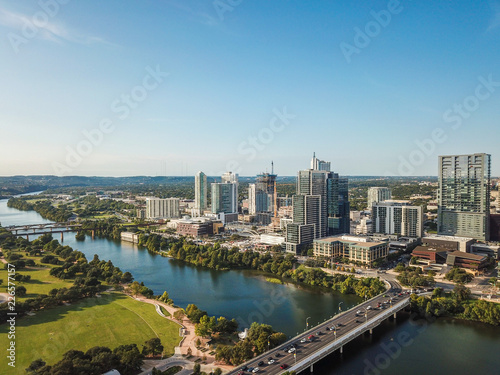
(345, 339)
(306, 333)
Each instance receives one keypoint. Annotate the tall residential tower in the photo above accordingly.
(464, 195)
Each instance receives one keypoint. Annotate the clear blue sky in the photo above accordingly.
(230, 69)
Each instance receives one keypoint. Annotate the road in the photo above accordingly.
(348, 321)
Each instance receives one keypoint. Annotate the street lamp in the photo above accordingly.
(366, 313)
(340, 307)
(307, 323)
(269, 343)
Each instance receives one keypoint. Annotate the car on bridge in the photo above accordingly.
(284, 366)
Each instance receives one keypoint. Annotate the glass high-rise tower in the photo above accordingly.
(464, 195)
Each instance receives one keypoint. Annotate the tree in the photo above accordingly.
(153, 347)
(198, 342)
(217, 371)
(21, 291)
(461, 293)
(179, 315)
(135, 288)
(36, 365)
(197, 368)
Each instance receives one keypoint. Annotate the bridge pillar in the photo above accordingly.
(93, 234)
(312, 369)
(28, 237)
(341, 350)
(395, 315)
(62, 236)
(371, 331)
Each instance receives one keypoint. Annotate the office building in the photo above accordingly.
(224, 198)
(378, 194)
(464, 196)
(200, 193)
(320, 207)
(319, 165)
(355, 248)
(398, 217)
(162, 208)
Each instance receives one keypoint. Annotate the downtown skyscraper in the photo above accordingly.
(200, 193)
(464, 195)
(320, 207)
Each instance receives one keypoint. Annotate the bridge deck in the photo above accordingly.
(352, 326)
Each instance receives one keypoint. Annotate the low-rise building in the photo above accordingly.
(430, 254)
(198, 227)
(449, 243)
(355, 248)
(129, 237)
(466, 260)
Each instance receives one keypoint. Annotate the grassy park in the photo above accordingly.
(110, 320)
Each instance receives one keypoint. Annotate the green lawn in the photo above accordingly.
(41, 282)
(112, 320)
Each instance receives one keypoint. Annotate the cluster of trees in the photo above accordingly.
(137, 288)
(44, 207)
(94, 206)
(459, 275)
(346, 284)
(127, 359)
(260, 338)
(457, 304)
(108, 228)
(414, 277)
(222, 258)
(483, 311)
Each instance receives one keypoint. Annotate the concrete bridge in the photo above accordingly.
(331, 335)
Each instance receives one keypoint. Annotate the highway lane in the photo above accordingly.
(348, 321)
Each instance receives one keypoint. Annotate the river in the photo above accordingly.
(404, 346)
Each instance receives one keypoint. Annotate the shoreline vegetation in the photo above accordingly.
(90, 279)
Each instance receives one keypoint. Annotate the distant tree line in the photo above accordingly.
(44, 207)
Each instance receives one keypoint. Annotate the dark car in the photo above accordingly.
(278, 355)
(245, 368)
(261, 363)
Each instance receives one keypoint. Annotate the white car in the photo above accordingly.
(255, 370)
(291, 350)
(303, 340)
(270, 362)
(359, 312)
(369, 308)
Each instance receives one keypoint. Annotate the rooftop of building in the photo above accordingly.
(447, 238)
(362, 241)
(461, 254)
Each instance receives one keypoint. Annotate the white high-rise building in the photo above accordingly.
(378, 194)
(320, 165)
(162, 208)
(200, 193)
(398, 217)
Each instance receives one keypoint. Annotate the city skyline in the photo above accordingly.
(174, 87)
